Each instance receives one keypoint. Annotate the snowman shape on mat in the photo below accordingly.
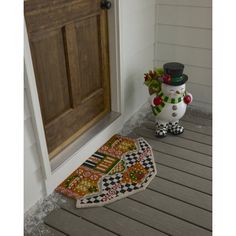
(170, 103)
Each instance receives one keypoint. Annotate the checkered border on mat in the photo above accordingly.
(123, 190)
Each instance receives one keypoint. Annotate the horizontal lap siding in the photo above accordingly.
(183, 33)
(185, 36)
(33, 180)
(196, 3)
(193, 56)
(201, 93)
(188, 16)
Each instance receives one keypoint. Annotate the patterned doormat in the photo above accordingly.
(121, 167)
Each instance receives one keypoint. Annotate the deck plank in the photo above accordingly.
(185, 179)
(174, 140)
(181, 193)
(46, 230)
(187, 134)
(183, 165)
(157, 219)
(111, 220)
(197, 127)
(189, 118)
(202, 129)
(174, 207)
(193, 117)
(179, 152)
(73, 225)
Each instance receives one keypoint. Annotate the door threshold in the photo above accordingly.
(65, 154)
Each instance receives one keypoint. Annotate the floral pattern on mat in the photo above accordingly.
(80, 183)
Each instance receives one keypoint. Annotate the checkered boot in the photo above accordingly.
(161, 129)
(175, 128)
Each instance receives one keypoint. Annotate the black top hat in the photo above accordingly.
(173, 74)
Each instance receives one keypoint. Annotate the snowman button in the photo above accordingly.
(174, 107)
(174, 114)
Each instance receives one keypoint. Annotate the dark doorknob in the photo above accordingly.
(105, 4)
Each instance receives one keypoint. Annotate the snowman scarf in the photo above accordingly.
(165, 99)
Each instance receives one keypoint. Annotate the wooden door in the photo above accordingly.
(69, 47)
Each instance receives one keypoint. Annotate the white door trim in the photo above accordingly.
(35, 108)
(53, 178)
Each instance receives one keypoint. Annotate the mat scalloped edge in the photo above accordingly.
(121, 167)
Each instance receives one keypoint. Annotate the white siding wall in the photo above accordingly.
(138, 23)
(183, 34)
(33, 181)
(137, 37)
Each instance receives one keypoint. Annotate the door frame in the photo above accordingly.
(53, 178)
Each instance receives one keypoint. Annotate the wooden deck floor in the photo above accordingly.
(177, 202)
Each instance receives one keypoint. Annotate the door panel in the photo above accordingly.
(51, 79)
(93, 108)
(69, 47)
(88, 39)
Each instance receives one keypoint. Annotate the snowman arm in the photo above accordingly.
(151, 98)
(187, 93)
(190, 96)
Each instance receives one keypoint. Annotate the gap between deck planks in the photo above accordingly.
(72, 225)
(181, 193)
(174, 207)
(157, 218)
(140, 219)
(193, 123)
(187, 134)
(196, 128)
(112, 220)
(178, 152)
(183, 165)
(176, 141)
(45, 230)
(177, 202)
(177, 176)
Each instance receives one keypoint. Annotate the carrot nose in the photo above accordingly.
(178, 92)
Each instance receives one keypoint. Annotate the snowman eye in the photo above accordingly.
(172, 90)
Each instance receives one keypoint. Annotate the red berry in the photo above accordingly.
(166, 79)
(187, 99)
(157, 101)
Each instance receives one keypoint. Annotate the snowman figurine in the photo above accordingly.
(170, 103)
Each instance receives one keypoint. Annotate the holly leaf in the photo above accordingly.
(147, 82)
(155, 85)
(159, 71)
